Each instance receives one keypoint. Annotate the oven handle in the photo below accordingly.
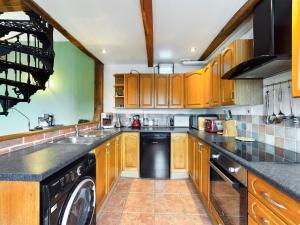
(227, 179)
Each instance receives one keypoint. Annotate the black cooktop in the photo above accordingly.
(260, 152)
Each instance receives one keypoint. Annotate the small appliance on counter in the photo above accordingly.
(181, 121)
(107, 120)
(136, 123)
(229, 128)
(213, 125)
(47, 121)
(198, 121)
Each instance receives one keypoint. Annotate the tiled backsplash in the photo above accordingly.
(284, 135)
(39, 138)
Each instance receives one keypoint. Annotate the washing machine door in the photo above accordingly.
(80, 206)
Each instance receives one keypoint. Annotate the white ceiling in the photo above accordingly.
(116, 25)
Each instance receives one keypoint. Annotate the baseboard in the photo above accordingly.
(179, 175)
(130, 174)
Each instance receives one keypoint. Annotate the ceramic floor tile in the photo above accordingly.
(181, 219)
(173, 186)
(192, 204)
(116, 202)
(142, 186)
(168, 203)
(137, 219)
(109, 218)
(122, 187)
(139, 202)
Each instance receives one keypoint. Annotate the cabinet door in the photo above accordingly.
(131, 91)
(100, 153)
(111, 164)
(119, 154)
(296, 49)
(131, 147)
(191, 156)
(227, 86)
(194, 90)
(161, 91)
(179, 147)
(176, 98)
(215, 91)
(197, 167)
(205, 172)
(146, 91)
(206, 86)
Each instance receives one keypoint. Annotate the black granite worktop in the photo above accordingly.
(41, 161)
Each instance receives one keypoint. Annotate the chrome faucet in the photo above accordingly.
(76, 131)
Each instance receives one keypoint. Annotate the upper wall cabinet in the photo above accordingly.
(206, 86)
(237, 92)
(176, 96)
(296, 49)
(132, 82)
(147, 91)
(161, 91)
(194, 89)
(215, 90)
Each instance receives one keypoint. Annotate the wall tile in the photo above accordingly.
(270, 139)
(279, 142)
(270, 129)
(279, 132)
(255, 128)
(290, 144)
(8, 143)
(262, 129)
(290, 133)
(255, 119)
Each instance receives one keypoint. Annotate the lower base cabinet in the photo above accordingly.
(179, 153)
(198, 155)
(131, 156)
(101, 189)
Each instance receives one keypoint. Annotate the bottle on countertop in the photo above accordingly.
(171, 122)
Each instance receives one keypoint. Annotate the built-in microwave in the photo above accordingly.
(198, 121)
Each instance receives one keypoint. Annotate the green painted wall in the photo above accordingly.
(70, 95)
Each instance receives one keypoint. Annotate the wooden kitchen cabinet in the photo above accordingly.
(194, 89)
(206, 86)
(132, 88)
(215, 90)
(198, 167)
(295, 48)
(101, 190)
(110, 148)
(205, 172)
(147, 91)
(119, 155)
(161, 91)
(280, 204)
(131, 149)
(179, 152)
(176, 95)
(191, 156)
(236, 92)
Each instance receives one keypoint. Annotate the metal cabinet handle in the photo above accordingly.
(270, 200)
(232, 94)
(215, 156)
(154, 142)
(234, 169)
(266, 221)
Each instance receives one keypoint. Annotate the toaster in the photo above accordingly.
(213, 125)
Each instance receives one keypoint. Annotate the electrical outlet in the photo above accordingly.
(249, 111)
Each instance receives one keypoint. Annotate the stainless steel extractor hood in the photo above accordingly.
(272, 31)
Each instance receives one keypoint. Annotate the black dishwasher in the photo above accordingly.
(155, 155)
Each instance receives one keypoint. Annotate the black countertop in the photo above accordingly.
(41, 161)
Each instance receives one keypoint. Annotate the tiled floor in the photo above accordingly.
(153, 202)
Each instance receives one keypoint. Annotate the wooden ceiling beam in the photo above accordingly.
(31, 5)
(146, 9)
(12, 5)
(238, 18)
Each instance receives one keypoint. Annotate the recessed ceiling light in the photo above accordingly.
(193, 49)
(104, 51)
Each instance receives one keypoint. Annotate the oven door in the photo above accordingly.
(228, 196)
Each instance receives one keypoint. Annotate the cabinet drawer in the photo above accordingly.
(282, 205)
(261, 214)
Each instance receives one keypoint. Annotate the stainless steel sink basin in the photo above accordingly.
(76, 140)
(96, 133)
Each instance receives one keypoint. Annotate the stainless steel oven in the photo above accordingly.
(228, 189)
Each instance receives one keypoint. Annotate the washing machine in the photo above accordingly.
(69, 196)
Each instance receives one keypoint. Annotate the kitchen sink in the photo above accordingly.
(76, 140)
(96, 133)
